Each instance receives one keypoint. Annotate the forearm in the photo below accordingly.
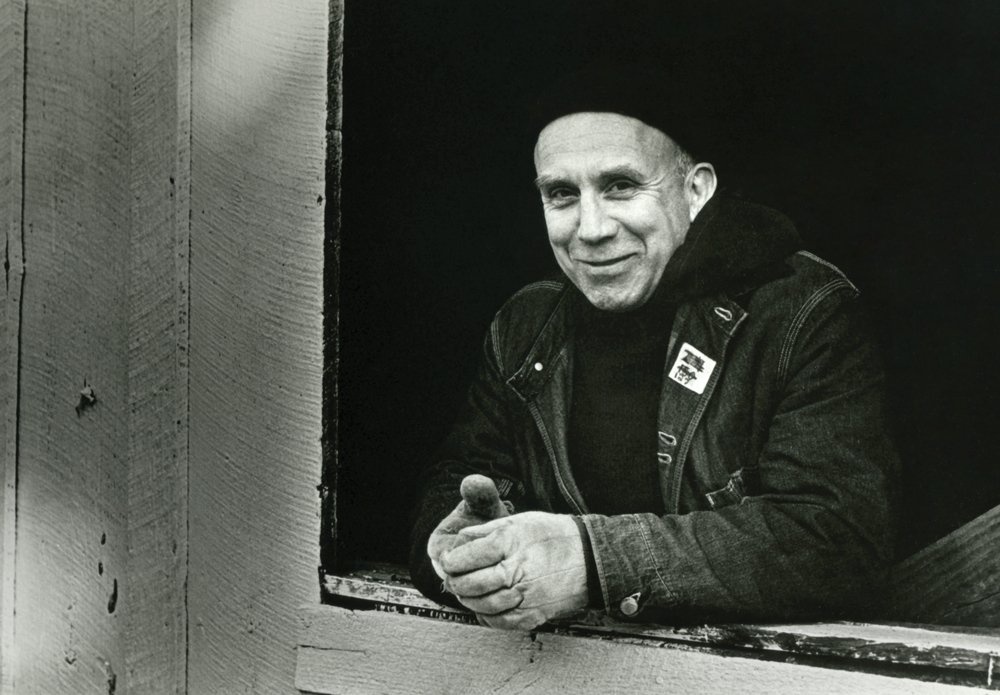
(758, 560)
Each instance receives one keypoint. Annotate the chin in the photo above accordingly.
(614, 302)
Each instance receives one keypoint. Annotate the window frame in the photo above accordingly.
(956, 656)
(966, 655)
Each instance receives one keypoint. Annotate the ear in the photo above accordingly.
(699, 187)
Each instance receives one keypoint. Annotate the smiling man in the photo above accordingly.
(688, 424)
(618, 201)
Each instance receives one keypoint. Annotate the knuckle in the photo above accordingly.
(508, 572)
(527, 620)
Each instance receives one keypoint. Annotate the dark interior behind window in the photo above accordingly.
(871, 124)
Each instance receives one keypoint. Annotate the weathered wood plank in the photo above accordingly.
(72, 453)
(11, 142)
(158, 341)
(257, 182)
(955, 581)
(381, 590)
(901, 645)
(370, 652)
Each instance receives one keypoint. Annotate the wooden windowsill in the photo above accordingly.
(966, 656)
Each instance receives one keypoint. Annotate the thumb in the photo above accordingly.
(481, 497)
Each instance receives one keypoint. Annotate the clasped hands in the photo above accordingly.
(513, 571)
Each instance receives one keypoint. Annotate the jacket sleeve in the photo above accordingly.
(816, 539)
(479, 442)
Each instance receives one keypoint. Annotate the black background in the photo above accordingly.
(873, 125)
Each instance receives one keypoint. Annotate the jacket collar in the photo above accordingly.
(732, 248)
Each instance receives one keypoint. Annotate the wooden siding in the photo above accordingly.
(72, 455)
(158, 342)
(11, 142)
(98, 222)
(257, 184)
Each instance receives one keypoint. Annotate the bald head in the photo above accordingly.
(616, 206)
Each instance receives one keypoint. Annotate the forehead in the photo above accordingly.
(595, 140)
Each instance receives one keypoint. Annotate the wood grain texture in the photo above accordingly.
(72, 460)
(11, 143)
(370, 652)
(955, 581)
(968, 655)
(157, 348)
(257, 182)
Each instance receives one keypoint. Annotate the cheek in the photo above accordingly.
(560, 229)
(664, 232)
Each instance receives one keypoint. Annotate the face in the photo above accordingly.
(615, 205)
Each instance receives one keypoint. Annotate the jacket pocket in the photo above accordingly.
(740, 485)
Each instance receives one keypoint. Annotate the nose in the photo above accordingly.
(595, 226)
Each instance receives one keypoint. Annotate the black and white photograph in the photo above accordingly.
(535, 346)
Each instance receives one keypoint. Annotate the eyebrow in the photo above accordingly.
(605, 176)
(545, 181)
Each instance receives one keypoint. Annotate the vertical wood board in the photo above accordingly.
(72, 460)
(257, 159)
(11, 141)
(157, 348)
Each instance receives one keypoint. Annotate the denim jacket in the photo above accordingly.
(775, 466)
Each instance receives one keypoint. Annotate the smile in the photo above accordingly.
(607, 263)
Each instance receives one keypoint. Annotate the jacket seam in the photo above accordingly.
(540, 285)
(799, 320)
(550, 450)
(495, 342)
(827, 264)
(652, 557)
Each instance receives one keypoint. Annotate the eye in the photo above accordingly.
(560, 196)
(621, 186)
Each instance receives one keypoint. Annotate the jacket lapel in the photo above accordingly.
(544, 383)
(695, 362)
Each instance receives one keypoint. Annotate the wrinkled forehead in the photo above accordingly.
(601, 136)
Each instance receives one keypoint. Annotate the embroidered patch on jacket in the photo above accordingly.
(692, 368)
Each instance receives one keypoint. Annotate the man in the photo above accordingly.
(689, 425)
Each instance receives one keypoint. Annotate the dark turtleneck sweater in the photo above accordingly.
(617, 373)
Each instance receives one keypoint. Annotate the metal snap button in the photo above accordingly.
(538, 366)
(629, 605)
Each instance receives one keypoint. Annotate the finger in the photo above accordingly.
(516, 619)
(458, 519)
(491, 604)
(483, 581)
(480, 530)
(474, 555)
(440, 543)
(439, 571)
(481, 496)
